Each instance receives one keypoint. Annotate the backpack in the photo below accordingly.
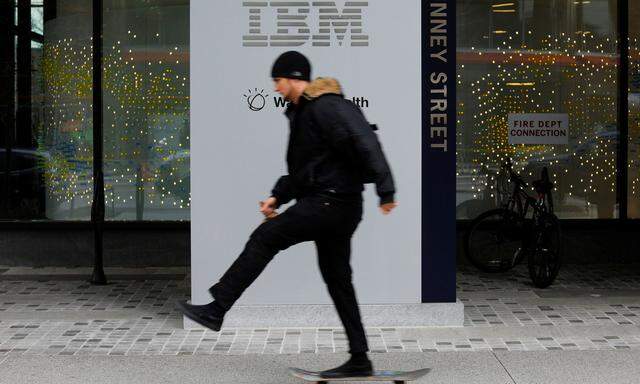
(365, 176)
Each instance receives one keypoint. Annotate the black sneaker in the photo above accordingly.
(202, 315)
(349, 369)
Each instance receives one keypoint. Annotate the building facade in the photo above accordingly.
(576, 58)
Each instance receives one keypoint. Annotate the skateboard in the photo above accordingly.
(398, 377)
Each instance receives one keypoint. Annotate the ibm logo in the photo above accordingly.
(293, 19)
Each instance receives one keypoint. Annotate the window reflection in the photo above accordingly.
(538, 56)
(146, 110)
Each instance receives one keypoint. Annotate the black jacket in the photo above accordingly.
(331, 147)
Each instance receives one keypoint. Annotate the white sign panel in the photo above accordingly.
(538, 128)
(239, 138)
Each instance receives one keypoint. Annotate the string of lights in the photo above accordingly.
(146, 141)
(573, 74)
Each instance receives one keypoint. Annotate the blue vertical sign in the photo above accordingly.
(438, 152)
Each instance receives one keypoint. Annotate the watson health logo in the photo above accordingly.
(258, 100)
(296, 23)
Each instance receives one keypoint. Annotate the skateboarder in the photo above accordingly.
(332, 151)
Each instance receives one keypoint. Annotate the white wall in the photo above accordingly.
(238, 154)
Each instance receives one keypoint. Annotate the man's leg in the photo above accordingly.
(333, 257)
(291, 227)
(295, 225)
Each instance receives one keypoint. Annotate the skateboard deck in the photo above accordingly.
(393, 376)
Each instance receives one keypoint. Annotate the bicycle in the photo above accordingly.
(499, 239)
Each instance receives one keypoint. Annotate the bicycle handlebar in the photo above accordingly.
(508, 165)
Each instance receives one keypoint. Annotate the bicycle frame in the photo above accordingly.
(520, 201)
(512, 234)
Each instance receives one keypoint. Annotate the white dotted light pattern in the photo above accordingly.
(146, 140)
(573, 74)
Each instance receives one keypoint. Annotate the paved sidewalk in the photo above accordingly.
(549, 367)
(54, 327)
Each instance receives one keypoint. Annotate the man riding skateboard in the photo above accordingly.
(332, 152)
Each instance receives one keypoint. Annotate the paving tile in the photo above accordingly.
(604, 300)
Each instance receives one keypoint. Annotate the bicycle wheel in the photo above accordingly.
(494, 241)
(545, 257)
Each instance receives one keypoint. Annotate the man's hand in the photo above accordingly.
(268, 208)
(388, 207)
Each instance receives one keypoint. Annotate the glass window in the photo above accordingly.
(46, 106)
(634, 110)
(146, 109)
(538, 56)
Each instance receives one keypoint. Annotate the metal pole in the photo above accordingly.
(97, 208)
(7, 98)
(22, 138)
(623, 109)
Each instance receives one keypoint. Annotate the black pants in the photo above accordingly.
(325, 219)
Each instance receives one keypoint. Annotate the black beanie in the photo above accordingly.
(292, 65)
